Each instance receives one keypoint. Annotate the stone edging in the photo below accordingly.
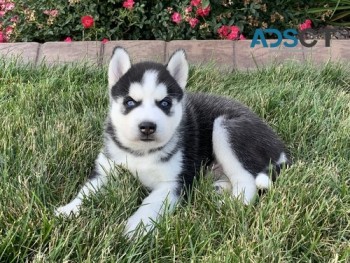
(228, 54)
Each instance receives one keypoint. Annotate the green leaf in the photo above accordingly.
(323, 9)
(205, 3)
(340, 15)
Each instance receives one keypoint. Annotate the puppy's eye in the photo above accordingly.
(129, 102)
(165, 103)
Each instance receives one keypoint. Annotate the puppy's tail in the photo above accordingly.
(265, 178)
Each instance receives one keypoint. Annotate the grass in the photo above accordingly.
(51, 122)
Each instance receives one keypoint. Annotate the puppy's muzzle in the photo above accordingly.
(147, 128)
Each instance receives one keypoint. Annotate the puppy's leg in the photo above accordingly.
(160, 200)
(221, 182)
(242, 181)
(96, 180)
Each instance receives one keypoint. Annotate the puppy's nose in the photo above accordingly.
(147, 127)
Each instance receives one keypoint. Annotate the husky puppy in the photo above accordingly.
(164, 136)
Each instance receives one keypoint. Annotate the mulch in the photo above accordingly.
(338, 33)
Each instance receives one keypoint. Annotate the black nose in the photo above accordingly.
(147, 127)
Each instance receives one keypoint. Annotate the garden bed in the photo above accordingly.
(43, 21)
(232, 55)
(337, 33)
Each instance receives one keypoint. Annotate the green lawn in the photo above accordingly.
(51, 121)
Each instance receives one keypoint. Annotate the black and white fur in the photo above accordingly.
(164, 136)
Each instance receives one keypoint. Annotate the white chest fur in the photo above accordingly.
(149, 169)
(151, 172)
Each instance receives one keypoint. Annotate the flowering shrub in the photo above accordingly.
(71, 20)
(44, 20)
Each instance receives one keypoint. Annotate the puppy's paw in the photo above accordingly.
(245, 192)
(222, 186)
(67, 210)
(137, 227)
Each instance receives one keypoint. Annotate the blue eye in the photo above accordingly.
(129, 102)
(165, 103)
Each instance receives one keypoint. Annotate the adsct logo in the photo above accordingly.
(289, 37)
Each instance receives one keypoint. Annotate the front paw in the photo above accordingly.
(137, 227)
(67, 210)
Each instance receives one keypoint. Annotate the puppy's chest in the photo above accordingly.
(151, 171)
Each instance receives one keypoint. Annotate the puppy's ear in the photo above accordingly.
(178, 67)
(118, 66)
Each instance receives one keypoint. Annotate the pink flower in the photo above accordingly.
(195, 2)
(2, 13)
(53, 12)
(9, 6)
(203, 12)
(307, 24)
(241, 37)
(176, 18)
(223, 31)
(2, 37)
(229, 32)
(105, 40)
(68, 39)
(14, 19)
(188, 9)
(193, 22)
(87, 21)
(232, 36)
(234, 33)
(9, 30)
(129, 4)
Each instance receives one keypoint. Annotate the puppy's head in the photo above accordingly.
(146, 99)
